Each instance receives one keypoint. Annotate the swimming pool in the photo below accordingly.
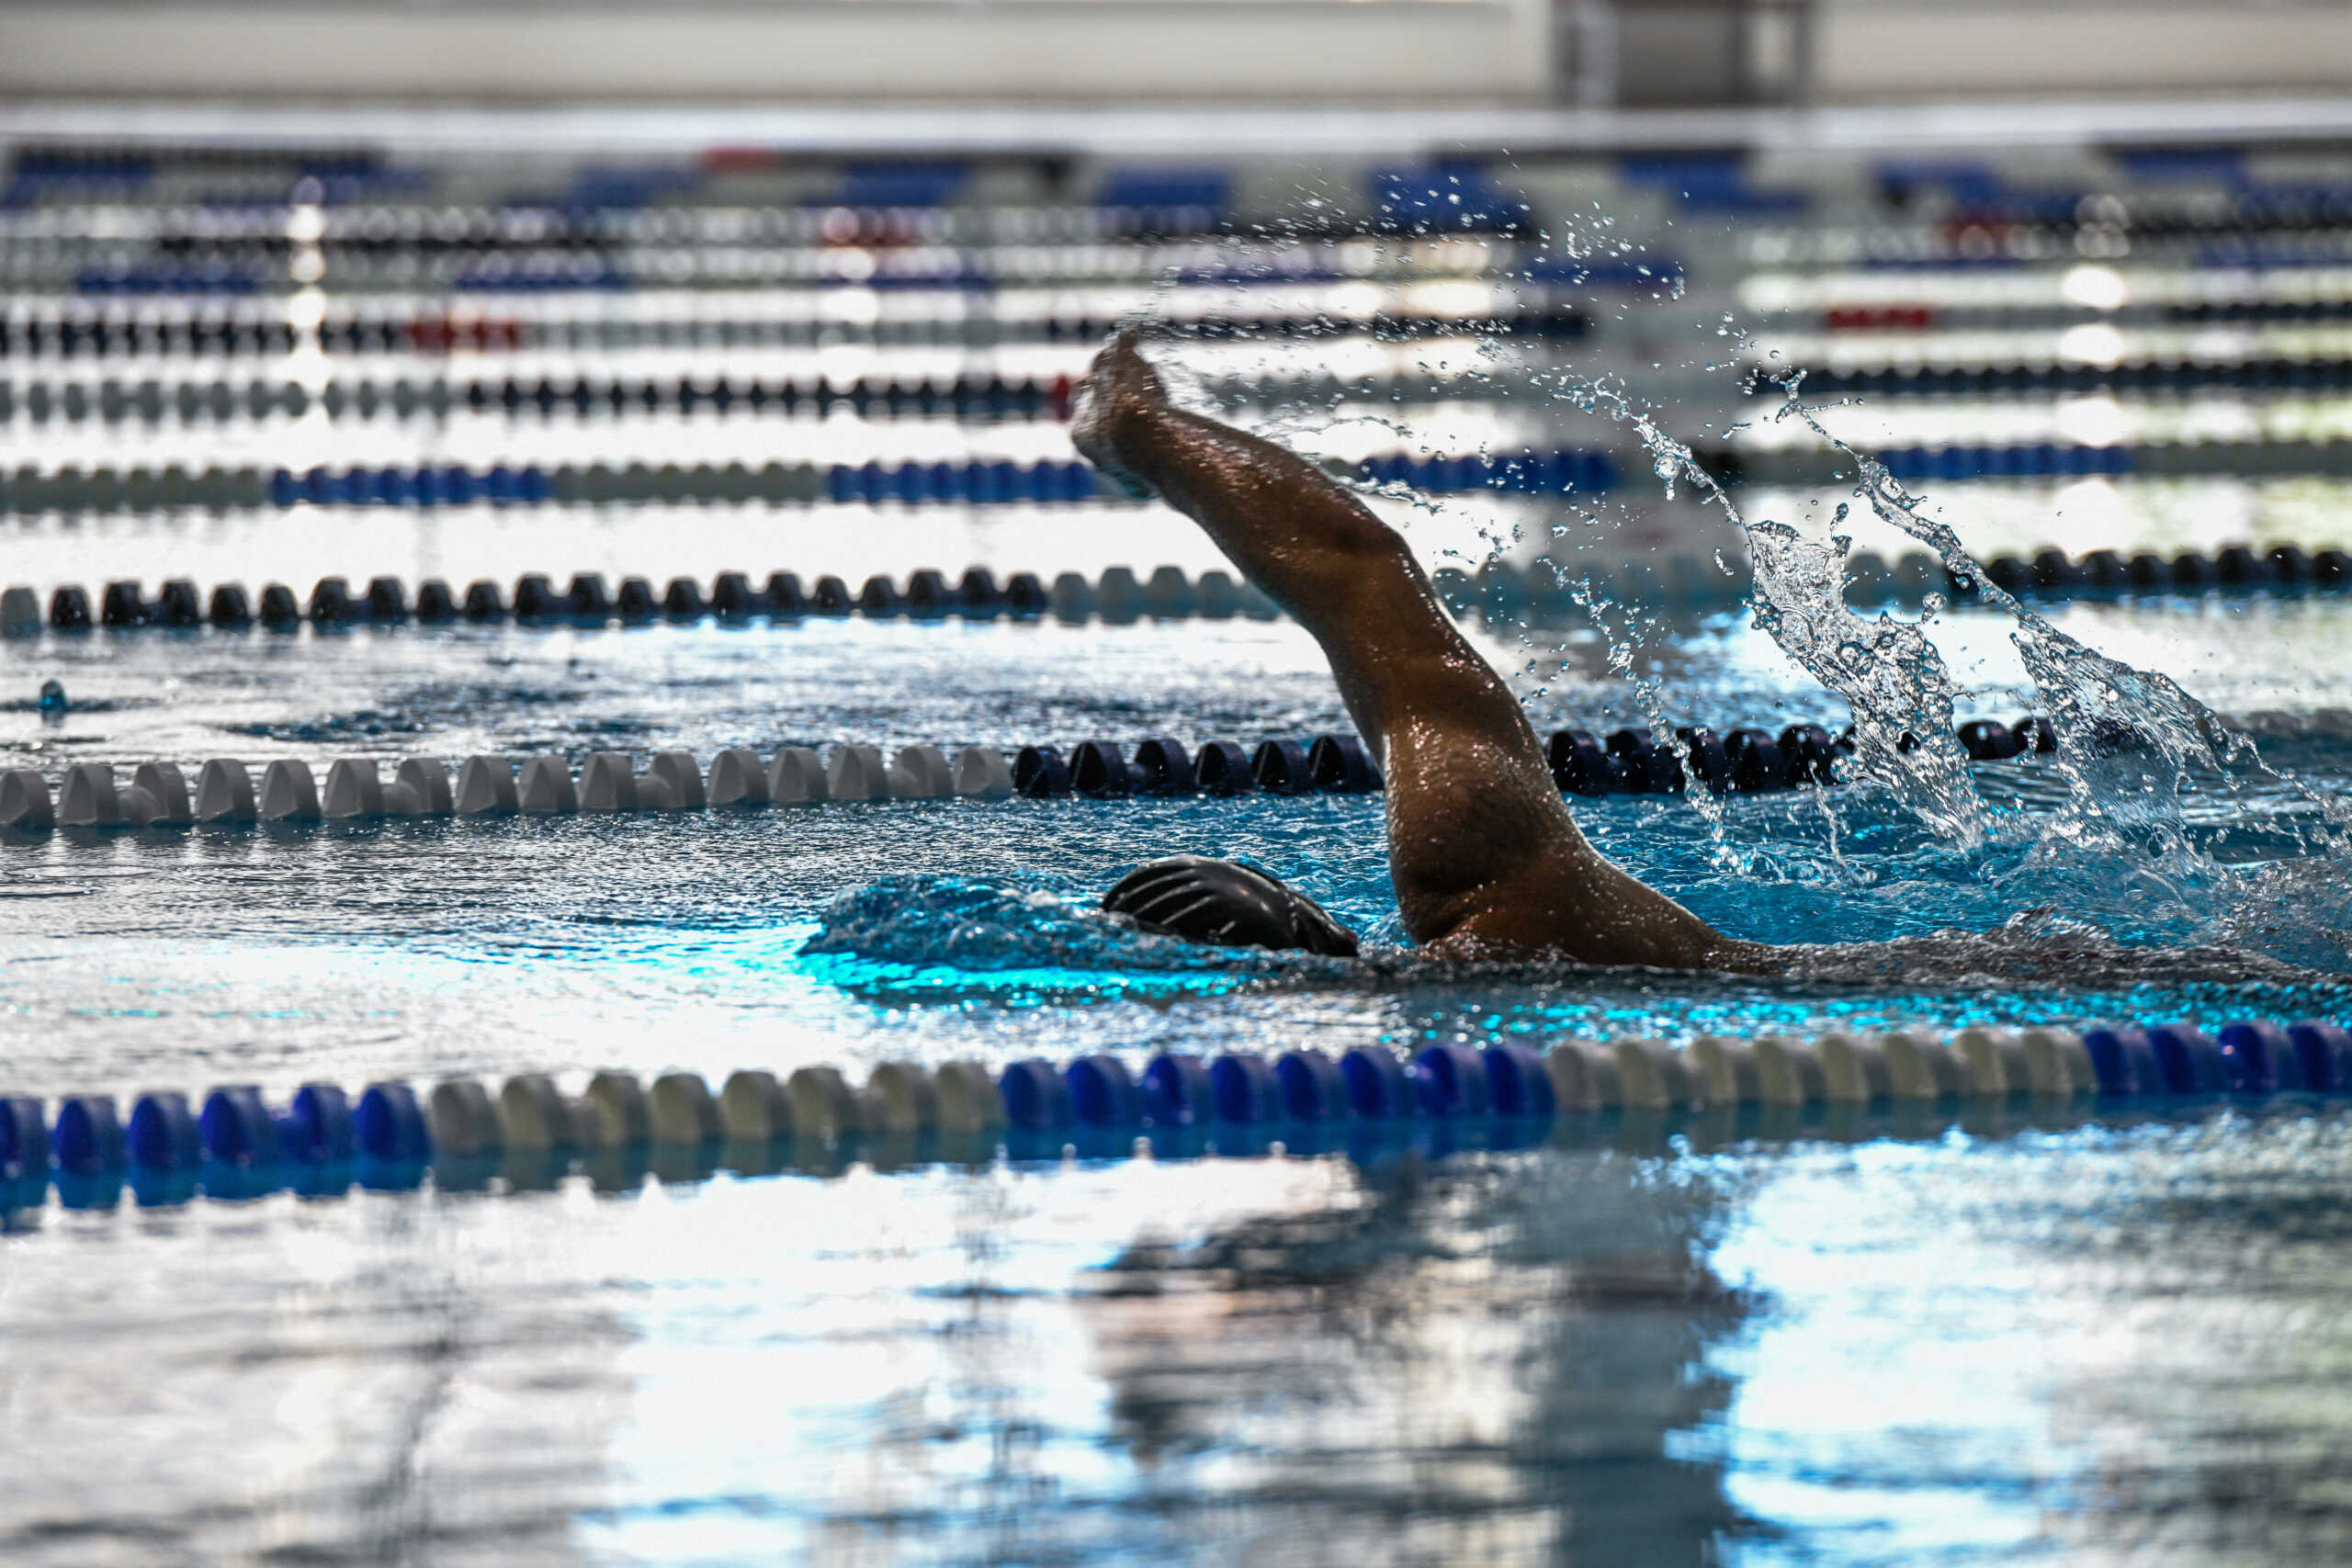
(1682, 1339)
(1993, 1329)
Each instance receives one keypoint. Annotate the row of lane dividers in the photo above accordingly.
(531, 1131)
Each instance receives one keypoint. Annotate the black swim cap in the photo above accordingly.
(1226, 904)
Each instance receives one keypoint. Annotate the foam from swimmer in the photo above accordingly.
(932, 936)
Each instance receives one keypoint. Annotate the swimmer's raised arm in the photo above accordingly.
(1481, 846)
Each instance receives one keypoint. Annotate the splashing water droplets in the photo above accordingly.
(2129, 740)
(1888, 671)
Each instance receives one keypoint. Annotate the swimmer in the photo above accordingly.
(1486, 860)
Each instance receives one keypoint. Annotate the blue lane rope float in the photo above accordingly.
(164, 1134)
(68, 489)
(1828, 466)
(594, 241)
(934, 205)
(1117, 597)
(975, 482)
(241, 1144)
(926, 224)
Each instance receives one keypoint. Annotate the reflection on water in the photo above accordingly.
(1488, 1361)
(1991, 1342)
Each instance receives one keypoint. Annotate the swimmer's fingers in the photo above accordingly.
(1125, 343)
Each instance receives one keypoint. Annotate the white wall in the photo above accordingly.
(1456, 55)
(1874, 50)
(1072, 50)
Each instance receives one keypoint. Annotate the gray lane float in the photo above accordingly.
(157, 797)
(226, 795)
(289, 792)
(754, 1108)
(736, 780)
(485, 787)
(25, 801)
(858, 772)
(544, 787)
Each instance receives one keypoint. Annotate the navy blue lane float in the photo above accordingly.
(2240, 1058)
(2270, 374)
(1639, 760)
(1119, 596)
(968, 482)
(237, 1143)
(2231, 568)
(1100, 769)
(585, 599)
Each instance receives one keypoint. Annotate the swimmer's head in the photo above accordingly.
(1225, 904)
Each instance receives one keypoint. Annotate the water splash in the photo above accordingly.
(1888, 671)
(2129, 740)
(955, 937)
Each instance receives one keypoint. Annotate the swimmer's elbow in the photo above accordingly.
(1369, 568)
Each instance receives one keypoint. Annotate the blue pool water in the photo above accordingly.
(967, 927)
(2001, 1341)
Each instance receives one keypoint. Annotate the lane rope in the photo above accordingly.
(225, 793)
(234, 1142)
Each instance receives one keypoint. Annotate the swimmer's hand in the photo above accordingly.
(1115, 401)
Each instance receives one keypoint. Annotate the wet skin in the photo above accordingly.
(1486, 857)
